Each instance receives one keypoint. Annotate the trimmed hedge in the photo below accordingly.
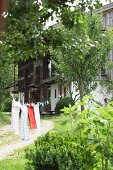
(6, 104)
(59, 151)
(64, 102)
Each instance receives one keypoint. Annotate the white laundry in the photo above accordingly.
(24, 122)
(15, 116)
(37, 117)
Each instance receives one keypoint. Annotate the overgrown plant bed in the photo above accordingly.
(87, 145)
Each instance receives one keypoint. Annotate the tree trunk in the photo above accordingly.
(81, 93)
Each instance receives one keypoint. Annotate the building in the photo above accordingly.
(107, 13)
(36, 82)
(100, 94)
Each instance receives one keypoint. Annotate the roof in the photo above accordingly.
(106, 8)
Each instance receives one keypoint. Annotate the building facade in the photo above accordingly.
(36, 83)
(106, 74)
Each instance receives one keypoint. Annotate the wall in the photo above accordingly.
(54, 98)
(100, 94)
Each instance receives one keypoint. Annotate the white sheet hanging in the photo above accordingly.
(15, 116)
(37, 117)
(24, 122)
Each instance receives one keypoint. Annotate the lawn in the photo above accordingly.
(17, 159)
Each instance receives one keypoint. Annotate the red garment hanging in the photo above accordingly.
(31, 117)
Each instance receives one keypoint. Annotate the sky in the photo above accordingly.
(50, 23)
(105, 2)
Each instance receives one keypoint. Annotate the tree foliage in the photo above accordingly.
(79, 40)
(6, 79)
(107, 83)
(94, 127)
(80, 52)
(25, 35)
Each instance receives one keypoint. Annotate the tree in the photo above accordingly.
(25, 36)
(82, 51)
(23, 31)
(6, 79)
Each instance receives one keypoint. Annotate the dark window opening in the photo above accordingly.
(103, 71)
(38, 75)
(64, 91)
(55, 93)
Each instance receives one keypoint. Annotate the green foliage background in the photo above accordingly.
(63, 102)
(6, 79)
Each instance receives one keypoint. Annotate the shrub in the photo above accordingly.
(59, 151)
(94, 128)
(64, 102)
(6, 104)
(5, 119)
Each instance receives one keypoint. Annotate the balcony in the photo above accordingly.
(48, 80)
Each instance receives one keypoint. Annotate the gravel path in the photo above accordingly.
(15, 142)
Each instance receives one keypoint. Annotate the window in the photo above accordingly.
(103, 71)
(49, 68)
(112, 55)
(48, 93)
(64, 91)
(60, 91)
(110, 19)
(55, 93)
(37, 75)
(105, 19)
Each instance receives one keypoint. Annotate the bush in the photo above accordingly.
(94, 128)
(64, 102)
(6, 104)
(5, 118)
(59, 151)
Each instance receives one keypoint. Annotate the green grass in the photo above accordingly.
(61, 123)
(17, 159)
(4, 118)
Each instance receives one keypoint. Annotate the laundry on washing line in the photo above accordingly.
(29, 112)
